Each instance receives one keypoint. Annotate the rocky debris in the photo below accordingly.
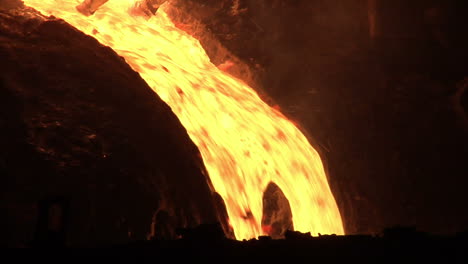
(334, 249)
(296, 235)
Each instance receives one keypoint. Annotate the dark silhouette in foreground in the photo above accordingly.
(394, 243)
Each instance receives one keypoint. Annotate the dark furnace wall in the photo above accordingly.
(377, 85)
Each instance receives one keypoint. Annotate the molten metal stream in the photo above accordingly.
(245, 144)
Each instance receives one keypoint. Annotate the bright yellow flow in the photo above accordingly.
(245, 144)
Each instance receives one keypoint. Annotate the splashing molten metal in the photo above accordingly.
(245, 144)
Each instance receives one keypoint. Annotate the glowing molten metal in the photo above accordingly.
(245, 144)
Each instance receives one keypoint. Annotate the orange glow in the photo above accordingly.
(245, 144)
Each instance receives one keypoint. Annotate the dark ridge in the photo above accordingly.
(79, 124)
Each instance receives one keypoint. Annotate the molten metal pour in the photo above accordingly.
(245, 144)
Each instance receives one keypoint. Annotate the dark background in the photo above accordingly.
(376, 85)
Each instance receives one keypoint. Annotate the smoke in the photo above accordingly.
(10, 4)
